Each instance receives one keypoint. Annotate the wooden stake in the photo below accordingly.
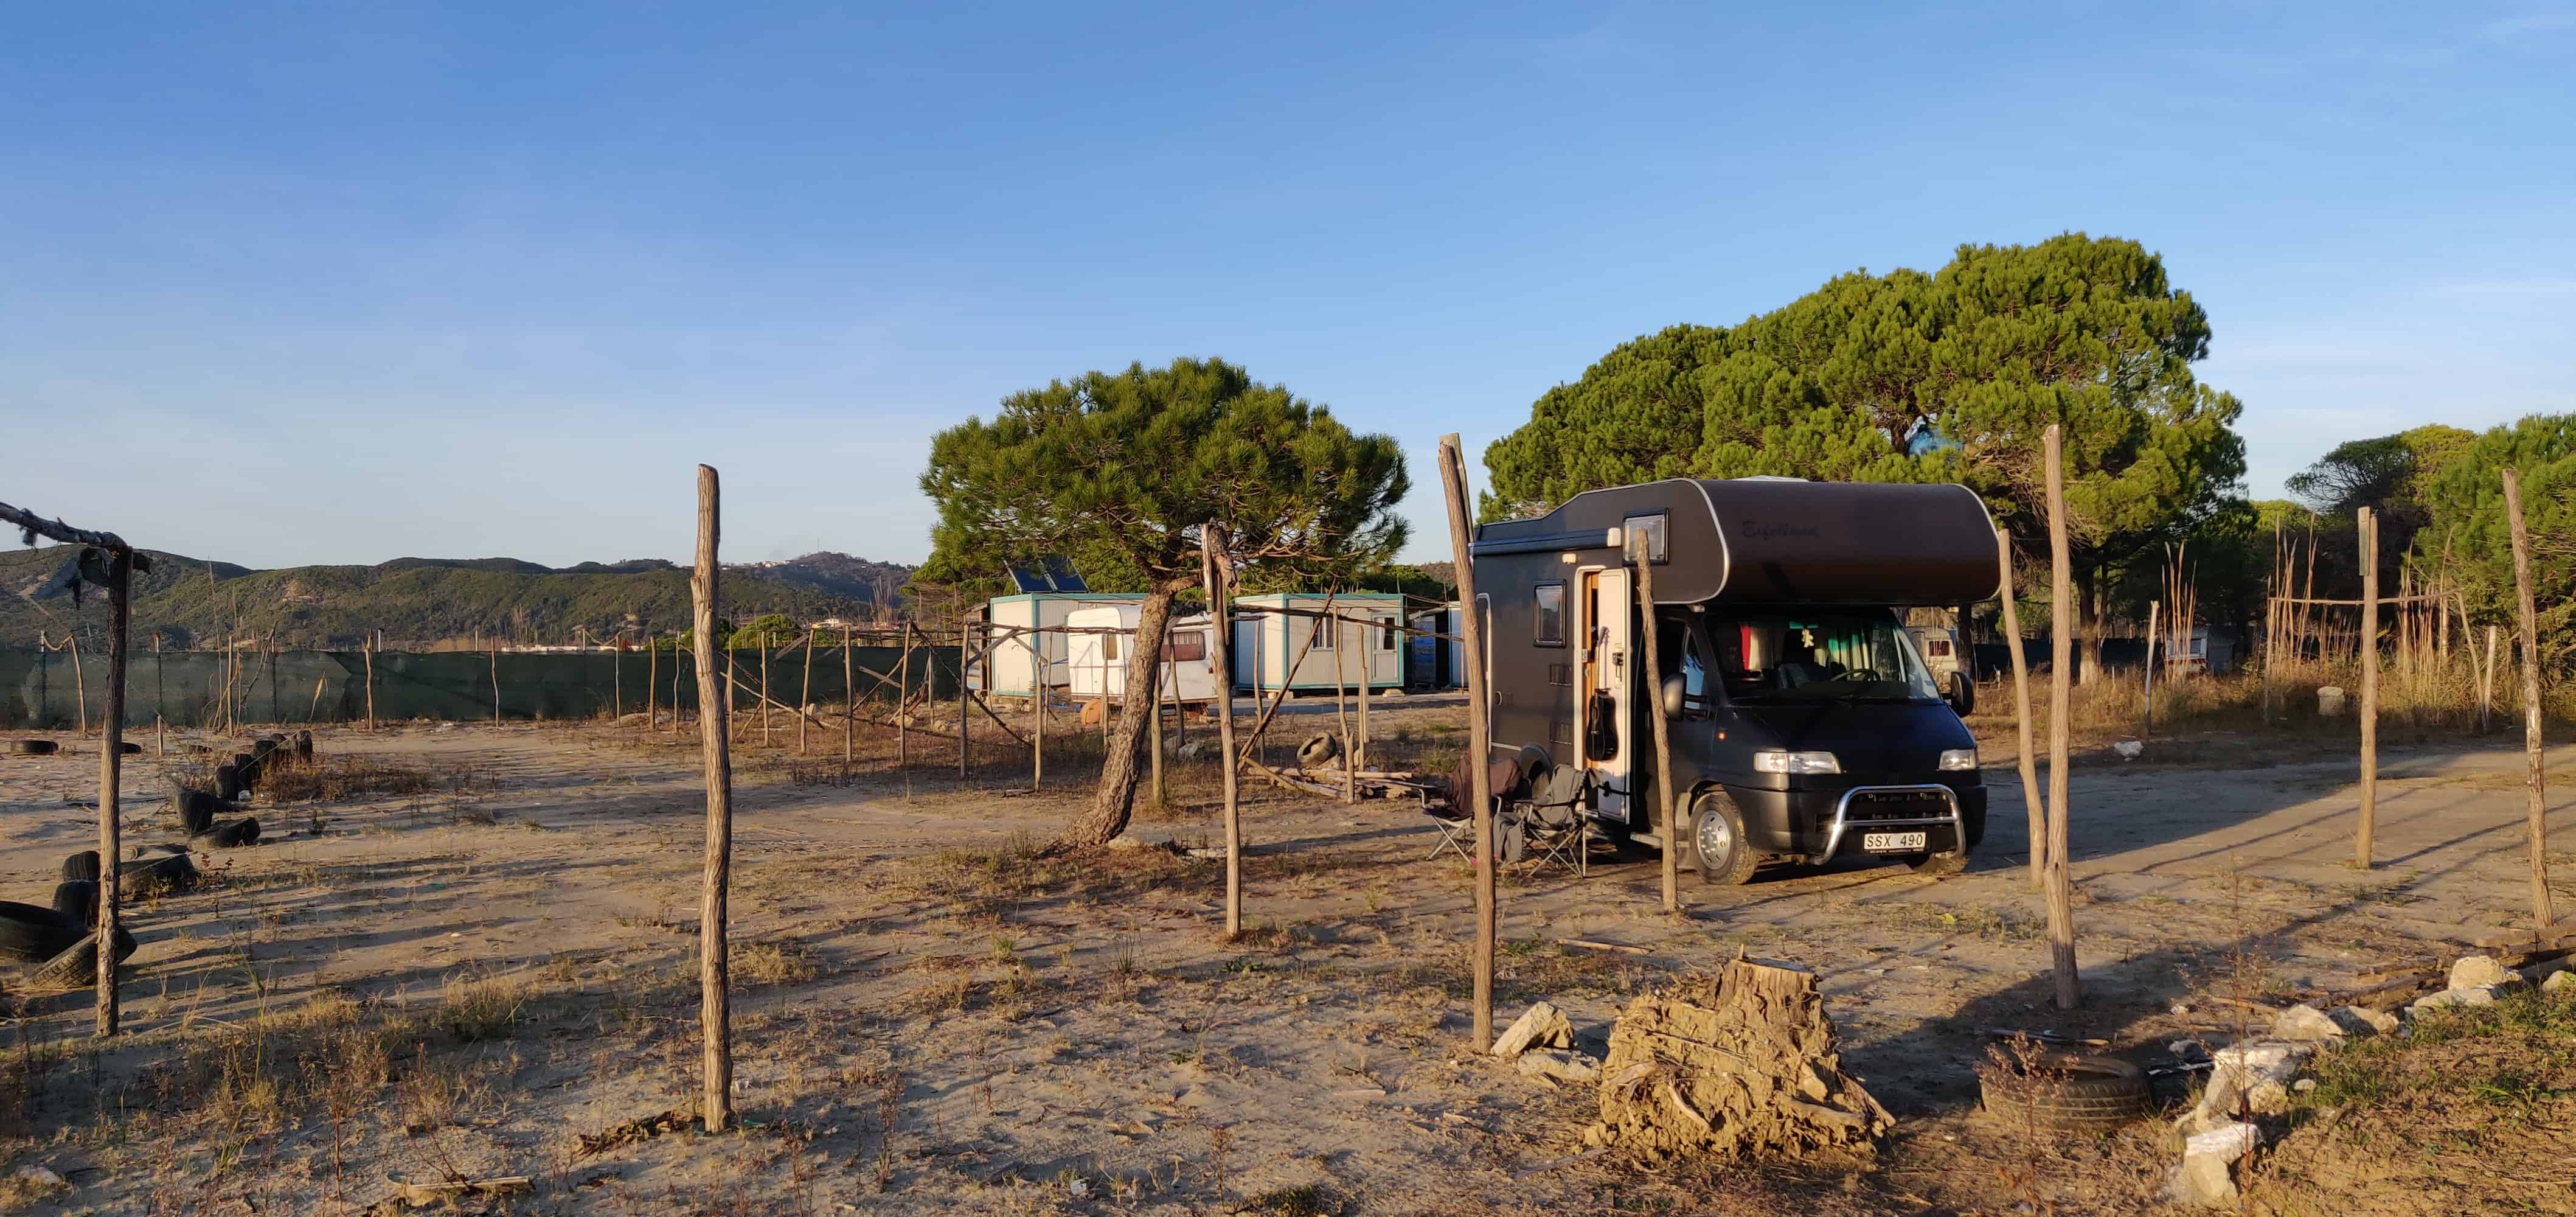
(1370, 636)
(1154, 726)
(617, 678)
(715, 1014)
(2147, 725)
(903, 702)
(496, 678)
(2486, 682)
(80, 688)
(805, 698)
(2060, 887)
(111, 768)
(2527, 610)
(965, 738)
(652, 678)
(1342, 705)
(367, 652)
(850, 696)
(1667, 818)
(1038, 677)
(2031, 803)
(2368, 526)
(1216, 569)
(1453, 483)
(160, 719)
(764, 688)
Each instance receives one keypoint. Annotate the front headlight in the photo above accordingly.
(1796, 762)
(1959, 758)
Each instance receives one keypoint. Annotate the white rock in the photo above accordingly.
(2258, 1071)
(1561, 1066)
(1540, 1026)
(2469, 971)
(2128, 748)
(2359, 1020)
(2559, 983)
(2304, 1085)
(2480, 995)
(2206, 1176)
(2306, 1024)
(41, 1176)
(2268, 1099)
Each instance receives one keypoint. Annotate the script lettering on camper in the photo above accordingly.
(1759, 531)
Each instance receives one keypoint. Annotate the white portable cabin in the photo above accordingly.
(1367, 645)
(1437, 654)
(1009, 668)
(1097, 662)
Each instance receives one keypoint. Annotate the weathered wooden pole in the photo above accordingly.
(1368, 652)
(1453, 482)
(805, 698)
(2368, 526)
(617, 678)
(80, 687)
(850, 699)
(367, 652)
(2031, 803)
(2147, 724)
(1038, 677)
(715, 1014)
(2534, 785)
(965, 737)
(903, 703)
(1667, 818)
(1342, 704)
(2060, 887)
(652, 678)
(676, 651)
(111, 771)
(764, 688)
(1154, 726)
(496, 678)
(160, 716)
(1217, 570)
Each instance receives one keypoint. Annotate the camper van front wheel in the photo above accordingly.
(1718, 841)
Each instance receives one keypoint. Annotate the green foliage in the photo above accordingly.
(2390, 474)
(2465, 515)
(766, 630)
(1117, 471)
(1908, 377)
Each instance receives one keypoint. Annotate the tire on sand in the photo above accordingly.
(2063, 1092)
(197, 809)
(231, 834)
(34, 934)
(1717, 842)
(76, 966)
(77, 900)
(82, 865)
(34, 747)
(228, 783)
(155, 876)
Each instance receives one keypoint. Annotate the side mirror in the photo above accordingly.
(1962, 695)
(1673, 693)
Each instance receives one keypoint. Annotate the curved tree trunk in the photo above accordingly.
(1119, 768)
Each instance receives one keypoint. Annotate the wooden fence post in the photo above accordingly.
(2031, 803)
(2147, 725)
(903, 703)
(496, 678)
(965, 733)
(850, 702)
(2536, 828)
(111, 763)
(1154, 726)
(715, 1014)
(1341, 704)
(1667, 818)
(80, 688)
(1038, 678)
(367, 652)
(1453, 482)
(1217, 570)
(764, 688)
(1368, 652)
(160, 715)
(617, 678)
(2368, 526)
(652, 678)
(2061, 898)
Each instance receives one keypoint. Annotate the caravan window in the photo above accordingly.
(1189, 644)
(1386, 633)
(1551, 614)
(1325, 628)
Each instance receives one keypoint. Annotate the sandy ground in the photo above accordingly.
(929, 1020)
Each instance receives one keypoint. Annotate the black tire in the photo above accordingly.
(1730, 860)
(2063, 1092)
(197, 809)
(34, 747)
(81, 866)
(129, 748)
(228, 783)
(304, 743)
(76, 966)
(1949, 863)
(229, 835)
(155, 876)
(77, 900)
(34, 934)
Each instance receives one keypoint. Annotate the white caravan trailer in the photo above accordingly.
(1009, 668)
(1097, 662)
(1366, 645)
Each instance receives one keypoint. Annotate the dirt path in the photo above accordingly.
(1031, 1029)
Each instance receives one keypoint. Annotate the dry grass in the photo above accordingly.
(339, 777)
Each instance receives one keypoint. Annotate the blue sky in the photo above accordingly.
(340, 283)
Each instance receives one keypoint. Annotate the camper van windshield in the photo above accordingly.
(1821, 654)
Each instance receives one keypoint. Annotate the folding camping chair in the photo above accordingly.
(1553, 829)
(1455, 820)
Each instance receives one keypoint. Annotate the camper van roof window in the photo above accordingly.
(1653, 526)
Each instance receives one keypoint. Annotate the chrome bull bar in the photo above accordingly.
(1842, 817)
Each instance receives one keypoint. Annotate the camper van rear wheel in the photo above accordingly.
(1717, 840)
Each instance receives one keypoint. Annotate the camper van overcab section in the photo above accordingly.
(1803, 719)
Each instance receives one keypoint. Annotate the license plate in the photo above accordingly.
(1891, 842)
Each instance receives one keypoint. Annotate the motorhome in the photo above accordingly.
(1803, 721)
(1099, 641)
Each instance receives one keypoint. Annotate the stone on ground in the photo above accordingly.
(2306, 1024)
(2476, 995)
(2560, 982)
(1540, 1026)
(1561, 1066)
(2470, 971)
(2207, 1174)
(2361, 1020)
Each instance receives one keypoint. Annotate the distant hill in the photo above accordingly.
(419, 601)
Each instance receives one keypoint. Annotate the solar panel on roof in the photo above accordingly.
(1060, 572)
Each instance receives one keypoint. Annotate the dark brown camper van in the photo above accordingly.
(1803, 722)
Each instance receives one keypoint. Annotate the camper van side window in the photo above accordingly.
(1551, 614)
(1189, 644)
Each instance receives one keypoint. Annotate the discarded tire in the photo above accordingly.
(77, 900)
(1318, 751)
(2061, 1092)
(34, 934)
(230, 835)
(156, 876)
(76, 966)
(33, 747)
(247, 767)
(197, 809)
(82, 865)
(303, 743)
(228, 783)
